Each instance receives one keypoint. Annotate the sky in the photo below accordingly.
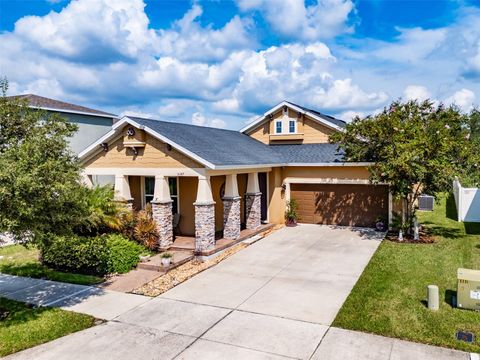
(223, 63)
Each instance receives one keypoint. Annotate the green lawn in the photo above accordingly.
(21, 261)
(22, 327)
(389, 298)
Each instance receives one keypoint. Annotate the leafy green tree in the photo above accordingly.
(415, 147)
(40, 189)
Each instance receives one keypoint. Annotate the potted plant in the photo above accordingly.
(291, 215)
(166, 259)
(380, 224)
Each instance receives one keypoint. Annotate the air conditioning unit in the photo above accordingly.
(468, 289)
(425, 202)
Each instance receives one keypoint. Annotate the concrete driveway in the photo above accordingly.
(273, 300)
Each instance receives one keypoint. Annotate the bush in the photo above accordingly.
(85, 255)
(123, 253)
(99, 255)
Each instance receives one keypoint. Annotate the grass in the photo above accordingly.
(22, 261)
(22, 326)
(390, 297)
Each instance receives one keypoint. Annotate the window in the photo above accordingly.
(173, 186)
(278, 127)
(291, 126)
(149, 189)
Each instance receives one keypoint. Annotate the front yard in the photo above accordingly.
(21, 261)
(390, 297)
(22, 326)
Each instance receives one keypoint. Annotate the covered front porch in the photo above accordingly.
(204, 213)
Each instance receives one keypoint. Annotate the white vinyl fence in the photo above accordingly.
(467, 201)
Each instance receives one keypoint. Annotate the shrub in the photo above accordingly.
(123, 254)
(86, 255)
(99, 255)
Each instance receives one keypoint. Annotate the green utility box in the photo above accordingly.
(468, 289)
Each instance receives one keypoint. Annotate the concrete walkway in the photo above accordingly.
(274, 300)
(103, 304)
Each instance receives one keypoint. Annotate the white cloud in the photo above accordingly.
(138, 113)
(293, 20)
(200, 120)
(416, 92)
(463, 98)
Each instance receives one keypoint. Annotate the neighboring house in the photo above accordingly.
(222, 180)
(92, 124)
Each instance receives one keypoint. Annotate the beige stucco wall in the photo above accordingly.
(276, 206)
(187, 193)
(136, 191)
(313, 131)
(154, 155)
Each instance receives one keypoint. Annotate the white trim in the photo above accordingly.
(268, 195)
(171, 172)
(260, 119)
(127, 120)
(113, 116)
(334, 181)
(142, 191)
(246, 167)
(346, 164)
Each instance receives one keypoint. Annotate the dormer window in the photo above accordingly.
(291, 127)
(278, 127)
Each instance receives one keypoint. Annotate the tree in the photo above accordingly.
(40, 189)
(414, 147)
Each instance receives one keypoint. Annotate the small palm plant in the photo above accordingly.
(145, 230)
(291, 215)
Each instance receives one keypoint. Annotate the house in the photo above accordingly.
(92, 124)
(225, 181)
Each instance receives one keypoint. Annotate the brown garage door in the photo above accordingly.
(350, 205)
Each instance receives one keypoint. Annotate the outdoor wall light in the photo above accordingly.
(104, 146)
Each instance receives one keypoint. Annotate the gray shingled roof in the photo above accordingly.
(328, 118)
(217, 146)
(43, 102)
(309, 153)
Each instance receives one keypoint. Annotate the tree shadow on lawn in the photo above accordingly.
(443, 231)
(30, 269)
(13, 312)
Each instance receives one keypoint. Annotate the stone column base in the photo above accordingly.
(162, 214)
(126, 203)
(253, 210)
(231, 217)
(204, 226)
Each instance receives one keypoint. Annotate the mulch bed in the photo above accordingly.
(425, 237)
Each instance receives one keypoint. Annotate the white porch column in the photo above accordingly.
(162, 212)
(204, 217)
(253, 202)
(122, 190)
(231, 209)
(87, 180)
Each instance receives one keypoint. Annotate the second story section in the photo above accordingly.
(92, 124)
(288, 123)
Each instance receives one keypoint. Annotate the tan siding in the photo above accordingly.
(261, 133)
(315, 132)
(154, 155)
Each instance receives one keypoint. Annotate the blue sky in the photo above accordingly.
(222, 63)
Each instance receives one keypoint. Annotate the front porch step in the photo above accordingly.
(155, 262)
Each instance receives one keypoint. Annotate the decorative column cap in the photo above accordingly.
(204, 203)
(231, 198)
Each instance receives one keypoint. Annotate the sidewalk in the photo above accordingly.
(101, 303)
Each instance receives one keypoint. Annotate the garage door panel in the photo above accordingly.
(340, 204)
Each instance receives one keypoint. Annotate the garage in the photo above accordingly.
(340, 204)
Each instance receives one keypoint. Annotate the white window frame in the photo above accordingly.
(177, 196)
(276, 127)
(294, 126)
